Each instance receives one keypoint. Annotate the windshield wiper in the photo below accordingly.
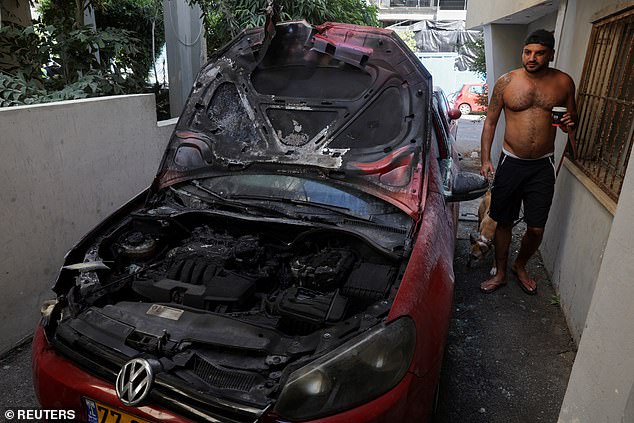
(341, 210)
(219, 199)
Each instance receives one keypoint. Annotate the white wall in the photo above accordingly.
(600, 385)
(482, 12)
(576, 233)
(546, 22)
(65, 166)
(503, 50)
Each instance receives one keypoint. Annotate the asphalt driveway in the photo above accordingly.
(509, 355)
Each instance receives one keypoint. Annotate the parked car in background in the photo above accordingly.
(469, 98)
(292, 260)
(449, 114)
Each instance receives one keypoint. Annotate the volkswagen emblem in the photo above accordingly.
(134, 381)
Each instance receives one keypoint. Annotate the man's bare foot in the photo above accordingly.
(493, 284)
(527, 283)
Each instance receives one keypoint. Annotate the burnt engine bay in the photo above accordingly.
(229, 308)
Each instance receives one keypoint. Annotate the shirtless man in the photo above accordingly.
(526, 170)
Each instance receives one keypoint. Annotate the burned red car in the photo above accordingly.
(292, 260)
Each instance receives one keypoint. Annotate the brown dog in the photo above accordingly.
(481, 245)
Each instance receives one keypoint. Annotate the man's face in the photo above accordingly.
(535, 57)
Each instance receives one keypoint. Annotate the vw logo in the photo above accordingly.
(134, 381)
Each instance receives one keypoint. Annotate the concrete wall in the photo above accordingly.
(600, 386)
(64, 167)
(503, 49)
(15, 12)
(546, 22)
(482, 12)
(576, 233)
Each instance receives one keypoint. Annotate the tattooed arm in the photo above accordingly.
(496, 105)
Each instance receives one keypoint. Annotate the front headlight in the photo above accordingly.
(354, 373)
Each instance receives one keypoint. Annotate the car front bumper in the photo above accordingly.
(61, 384)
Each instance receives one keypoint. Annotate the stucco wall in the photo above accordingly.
(481, 12)
(600, 386)
(546, 22)
(64, 167)
(503, 47)
(576, 233)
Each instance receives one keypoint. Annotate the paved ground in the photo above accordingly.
(16, 387)
(508, 355)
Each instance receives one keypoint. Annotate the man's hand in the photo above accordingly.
(567, 122)
(486, 169)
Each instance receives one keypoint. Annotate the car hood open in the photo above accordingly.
(347, 102)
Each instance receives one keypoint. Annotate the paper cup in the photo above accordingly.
(558, 113)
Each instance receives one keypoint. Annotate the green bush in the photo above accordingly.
(45, 63)
(58, 58)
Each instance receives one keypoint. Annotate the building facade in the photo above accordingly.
(394, 11)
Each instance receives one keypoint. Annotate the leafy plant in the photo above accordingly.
(42, 63)
(408, 39)
(16, 91)
(141, 19)
(479, 64)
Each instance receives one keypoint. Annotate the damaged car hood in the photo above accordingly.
(347, 103)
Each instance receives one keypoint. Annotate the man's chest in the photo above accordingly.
(526, 95)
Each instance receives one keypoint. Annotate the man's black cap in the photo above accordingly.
(541, 36)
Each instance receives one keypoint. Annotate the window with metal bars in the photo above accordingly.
(605, 103)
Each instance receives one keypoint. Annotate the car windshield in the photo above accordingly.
(297, 189)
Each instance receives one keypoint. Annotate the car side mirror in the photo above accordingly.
(468, 186)
(454, 114)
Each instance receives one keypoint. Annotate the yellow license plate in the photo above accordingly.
(99, 413)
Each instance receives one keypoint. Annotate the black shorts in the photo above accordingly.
(528, 181)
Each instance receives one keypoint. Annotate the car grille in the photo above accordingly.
(222, 378)
(95, 359)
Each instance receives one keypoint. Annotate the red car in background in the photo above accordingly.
(470, 98)
(292, 260)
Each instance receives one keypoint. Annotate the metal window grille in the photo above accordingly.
(606, 97)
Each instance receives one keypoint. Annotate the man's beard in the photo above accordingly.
(535, 69)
